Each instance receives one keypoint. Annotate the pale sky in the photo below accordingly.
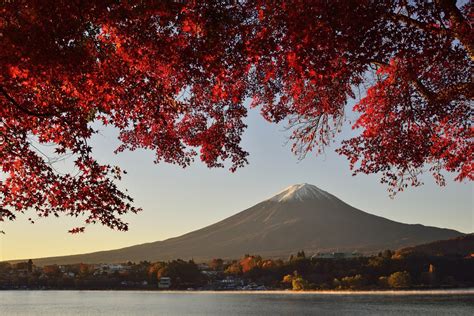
(176, 201)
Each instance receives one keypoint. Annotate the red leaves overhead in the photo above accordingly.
(173, 77)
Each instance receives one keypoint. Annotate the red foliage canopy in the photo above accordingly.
(172, 76)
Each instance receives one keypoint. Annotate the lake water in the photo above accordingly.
(456, 302)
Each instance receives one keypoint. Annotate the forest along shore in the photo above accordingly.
(384, 272)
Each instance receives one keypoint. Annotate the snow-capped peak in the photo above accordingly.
(300, 192)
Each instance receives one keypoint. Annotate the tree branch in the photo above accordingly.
(461, 28)
(466, 88)
(420, 25)
(23, 108)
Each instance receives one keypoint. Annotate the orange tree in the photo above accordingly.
(173, 76)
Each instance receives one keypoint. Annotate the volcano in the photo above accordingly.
(301, 217)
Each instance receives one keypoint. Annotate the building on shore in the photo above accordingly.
(164, 283)
(336, 255)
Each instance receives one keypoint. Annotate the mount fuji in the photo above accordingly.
(301, 217)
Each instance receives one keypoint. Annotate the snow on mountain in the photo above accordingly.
(301, 192)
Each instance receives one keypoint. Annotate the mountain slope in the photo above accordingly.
(300, 217)
(460, 246)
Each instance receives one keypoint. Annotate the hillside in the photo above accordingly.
(460, 246)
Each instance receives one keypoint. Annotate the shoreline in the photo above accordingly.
(460, 291)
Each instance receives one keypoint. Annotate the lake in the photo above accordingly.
(451, 302)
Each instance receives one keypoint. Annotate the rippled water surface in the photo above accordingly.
(458, 302)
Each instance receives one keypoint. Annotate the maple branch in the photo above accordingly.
(460, 27)
(446, 94)
(464, 88)
(420, 25)
(23, 108)
(375, 62)
(422, 89)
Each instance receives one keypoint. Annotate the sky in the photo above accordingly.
(176, 201)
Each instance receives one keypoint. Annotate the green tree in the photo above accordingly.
(30, 266)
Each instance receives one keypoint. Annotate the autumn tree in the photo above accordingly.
(297, 282)
(234, 269)
(248, 263)
(51, 270)
(399, 280)
(216, 264)
(354, 282)
(173, 77)
(85, 269)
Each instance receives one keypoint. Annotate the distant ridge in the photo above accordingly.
(460, 246)
(300, 217)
